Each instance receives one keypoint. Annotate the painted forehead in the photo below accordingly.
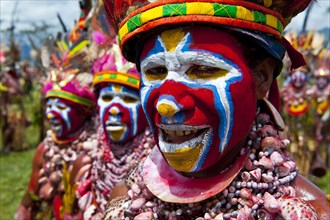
(54, 100)
(197, 39)
(120, 89)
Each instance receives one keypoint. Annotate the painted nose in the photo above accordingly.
(167, 108)
(114, 110)
(50, 116)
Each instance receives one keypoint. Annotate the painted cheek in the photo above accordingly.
(141, 119)
(244, 108)
(244, 101)
(76, 119)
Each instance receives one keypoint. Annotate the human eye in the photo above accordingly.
(129, 99)
(156, 73)
(107, 97)
(61, 107)
(205, 72)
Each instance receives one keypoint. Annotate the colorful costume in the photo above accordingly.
(297, 96)
(70, 105)
(220, 150)
(321, 101)
(123, 137)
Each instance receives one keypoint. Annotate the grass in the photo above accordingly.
(15, 171)
(323, 183)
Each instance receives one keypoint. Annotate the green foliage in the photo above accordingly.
(323, 183)
(15, 171)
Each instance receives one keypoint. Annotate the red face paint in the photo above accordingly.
(198, 95)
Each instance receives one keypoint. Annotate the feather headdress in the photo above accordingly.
(109, 64)
(137, 19)
(68, 71)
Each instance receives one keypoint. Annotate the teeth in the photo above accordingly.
(114, 128)
(192, 143)
(56, 127)
(188, 132)
(112, 123)
(179, 132)
(181, 127)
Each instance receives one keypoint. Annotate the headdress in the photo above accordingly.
(263, 21)
(110, 66)
(251, 17)
(322, 64)
(311, 42)
(81, 26)
(68, 71)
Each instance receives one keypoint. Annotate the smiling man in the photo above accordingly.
(124, 135)
(70, 106)
(208, 91)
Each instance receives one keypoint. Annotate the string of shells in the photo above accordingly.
(260, 190)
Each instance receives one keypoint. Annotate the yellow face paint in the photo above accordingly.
(183, 159)
(117, 87)
(116, 135)
(172, 38)
(166, 110)
(156, 73)
(50, 116)
(206, 72)
(113, 111)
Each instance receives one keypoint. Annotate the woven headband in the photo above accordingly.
(116, 77)
(246, 15)
(69, 96)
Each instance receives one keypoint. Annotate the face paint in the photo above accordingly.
(120, 112)
(196, 93)
(321, 82)
(65, 118)
(298, 79)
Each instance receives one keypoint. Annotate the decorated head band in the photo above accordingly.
(268, 17)
(111, 67)
(74, 87)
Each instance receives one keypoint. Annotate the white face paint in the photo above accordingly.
(57, 114)
(178, 62)
(161, 66)
(118, 110)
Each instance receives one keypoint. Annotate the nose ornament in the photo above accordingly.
(167, 108)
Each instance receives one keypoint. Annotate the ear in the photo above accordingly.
(263, 74)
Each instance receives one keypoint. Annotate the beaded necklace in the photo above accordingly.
(110, 164)
(260, 190)
(55, 154)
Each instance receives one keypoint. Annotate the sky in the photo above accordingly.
(36, 11)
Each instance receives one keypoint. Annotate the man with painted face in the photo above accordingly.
(69, 110)
(296, 96)
(207, 89)
(124, 137)
(70, 106)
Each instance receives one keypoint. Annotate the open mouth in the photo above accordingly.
(174, 138)
(114, 126)
(55, 125)
(116, 130)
